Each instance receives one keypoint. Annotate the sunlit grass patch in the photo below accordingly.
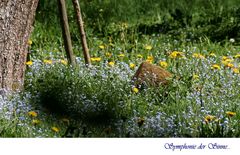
(203, 85)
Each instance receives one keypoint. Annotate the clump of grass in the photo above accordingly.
(82, 93)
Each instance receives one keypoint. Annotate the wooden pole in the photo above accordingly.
(66, 32)
(82, 32)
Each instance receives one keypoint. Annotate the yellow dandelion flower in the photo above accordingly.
(150, 59)
(55, 129)
(209, 118)
(195, 76)
(212, 55)
(47, 61)
(230, 65)
(230, 113)
(163, 64)
(135, 90)
(32, 114)
(121, 55)
(132, 65)
(101, 47)
(224, 63)
(64, 62)
(139, 56)
(148, 47)
(29, 42)
(29, 63)
(216, 67)
(227, 63)
(176, 54)
(111, 63)
(96, 59)
(235, 70)
(237, 56)
(108, 54)
(226, 59)
(35, 121)
(198, 55)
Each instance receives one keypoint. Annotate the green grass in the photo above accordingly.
(100, 101)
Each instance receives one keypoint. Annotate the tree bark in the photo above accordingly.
(16, 19)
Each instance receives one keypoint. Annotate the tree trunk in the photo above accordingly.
(16, 19)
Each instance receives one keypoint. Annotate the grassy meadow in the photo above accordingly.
(197, 41)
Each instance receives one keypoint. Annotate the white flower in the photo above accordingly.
(232, 40)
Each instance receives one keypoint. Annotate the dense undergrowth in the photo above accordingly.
(197, 41)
